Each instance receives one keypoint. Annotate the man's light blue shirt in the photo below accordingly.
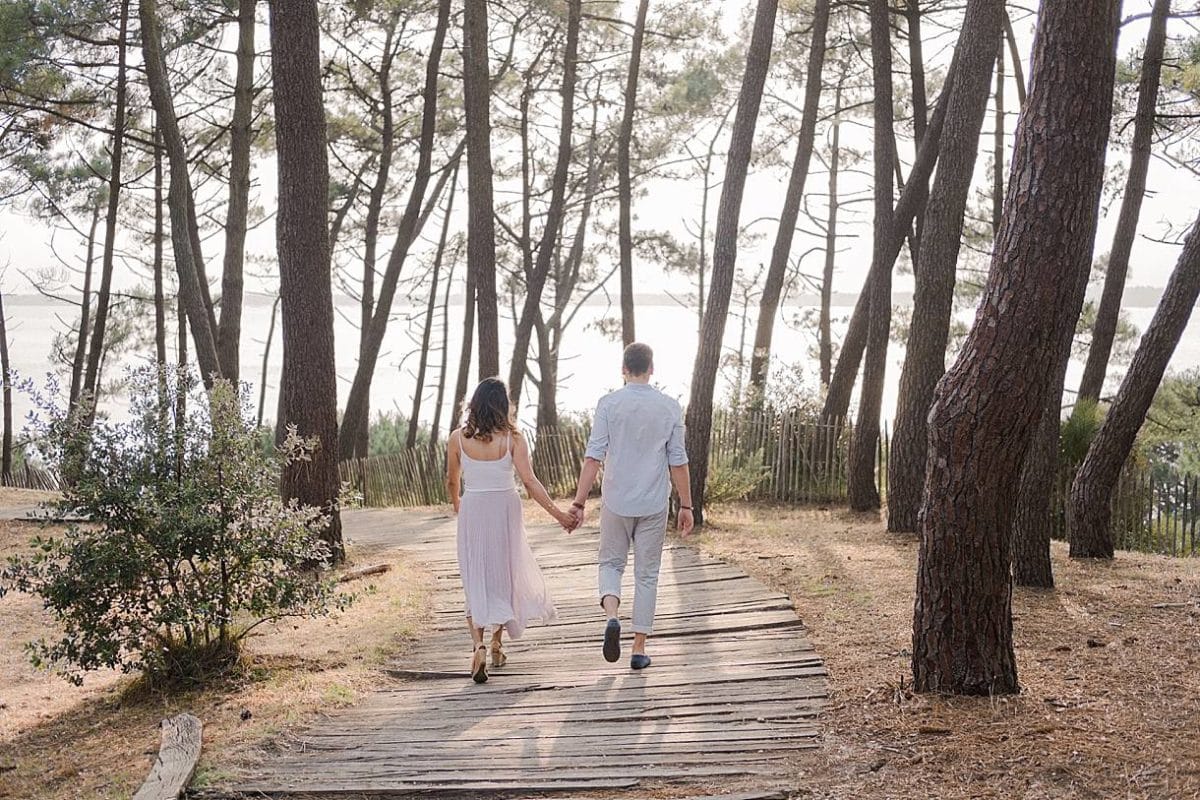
(637, 434)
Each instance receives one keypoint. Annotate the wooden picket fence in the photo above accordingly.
(1153, 510)
(763, 456)
(29, 477)
(772, 456)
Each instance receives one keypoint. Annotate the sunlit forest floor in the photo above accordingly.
(1109, 665)
(1110, 700)
(99, 740)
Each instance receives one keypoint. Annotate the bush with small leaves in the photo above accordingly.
(186, 546)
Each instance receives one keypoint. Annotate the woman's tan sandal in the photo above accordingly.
(499, 659)
(479, 672)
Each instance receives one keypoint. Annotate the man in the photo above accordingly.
(637, 436)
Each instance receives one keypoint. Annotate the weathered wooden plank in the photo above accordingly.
(178, 754)
(734, 686)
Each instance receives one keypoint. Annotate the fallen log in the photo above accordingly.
(362, 572)
(176, 762)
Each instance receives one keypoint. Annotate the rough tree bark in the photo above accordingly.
(435, 427)
(536, 281)
(193, 291)
(1089, 511)
(772, 291)
(860, 483)
(229, 328)
(708, 358)
(933, 299)
(988, 404)
(624, 181)
(309, 379)
(91, 379)
(481, 236)
(1109, 312)
(356, 421)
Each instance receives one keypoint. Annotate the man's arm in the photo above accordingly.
(681, 476)
(597, 449)
(587, 479)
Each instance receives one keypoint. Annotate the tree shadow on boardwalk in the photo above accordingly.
(733, 688)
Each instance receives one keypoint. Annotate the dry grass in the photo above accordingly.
(98, 741)
(1110, 701)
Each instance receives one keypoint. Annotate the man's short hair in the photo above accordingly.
(638, 359)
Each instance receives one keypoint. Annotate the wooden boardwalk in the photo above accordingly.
(733, 690)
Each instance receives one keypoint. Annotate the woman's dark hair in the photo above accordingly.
(488, 411)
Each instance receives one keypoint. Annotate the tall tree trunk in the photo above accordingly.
(624, 181)
(1109, 312)
(831, 221)
(464, 357)
(360, 433)
(933, 299)
(229, 329)
(536, 282)
(760, 359)
(160, 292)
(193, 289)
(989, 403)
(841, 384)
(998, 142)
(302, 236)
(1031, 518)
(435, 428)
(861, 488)
(85, 309)
(1014, 53)
(357, 417)
(708, 358)
(266, 360)
(427, 331)
(481, 236)
(6, 448)
(91, 380)
(1089, 511)
(920, 107)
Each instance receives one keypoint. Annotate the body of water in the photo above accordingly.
(590, 360)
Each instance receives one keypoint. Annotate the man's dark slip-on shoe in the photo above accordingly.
(612, 640)
(639, 661)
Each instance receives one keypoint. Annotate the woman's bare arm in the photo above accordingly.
(537, 491)
(454, 469)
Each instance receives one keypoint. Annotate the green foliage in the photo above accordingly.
(1171, 434)
(389, 432)
(1078, 431)
(734, 476)
(186, 546)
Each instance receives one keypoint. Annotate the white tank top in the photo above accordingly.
(492, 475)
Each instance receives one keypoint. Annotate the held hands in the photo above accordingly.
(576, 516)
(566, 519)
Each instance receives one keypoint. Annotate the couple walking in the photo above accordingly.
(637, 436)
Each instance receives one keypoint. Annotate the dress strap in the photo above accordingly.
(508, 445)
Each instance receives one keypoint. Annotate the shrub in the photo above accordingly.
(732, 478)
(1078, 431)
(186, 546)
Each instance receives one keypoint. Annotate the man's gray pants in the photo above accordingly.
(645, 535)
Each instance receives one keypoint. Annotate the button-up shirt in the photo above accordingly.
(637, 434)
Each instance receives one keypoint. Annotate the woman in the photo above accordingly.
(501, 579)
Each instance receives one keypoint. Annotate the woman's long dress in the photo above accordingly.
(500, 576)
